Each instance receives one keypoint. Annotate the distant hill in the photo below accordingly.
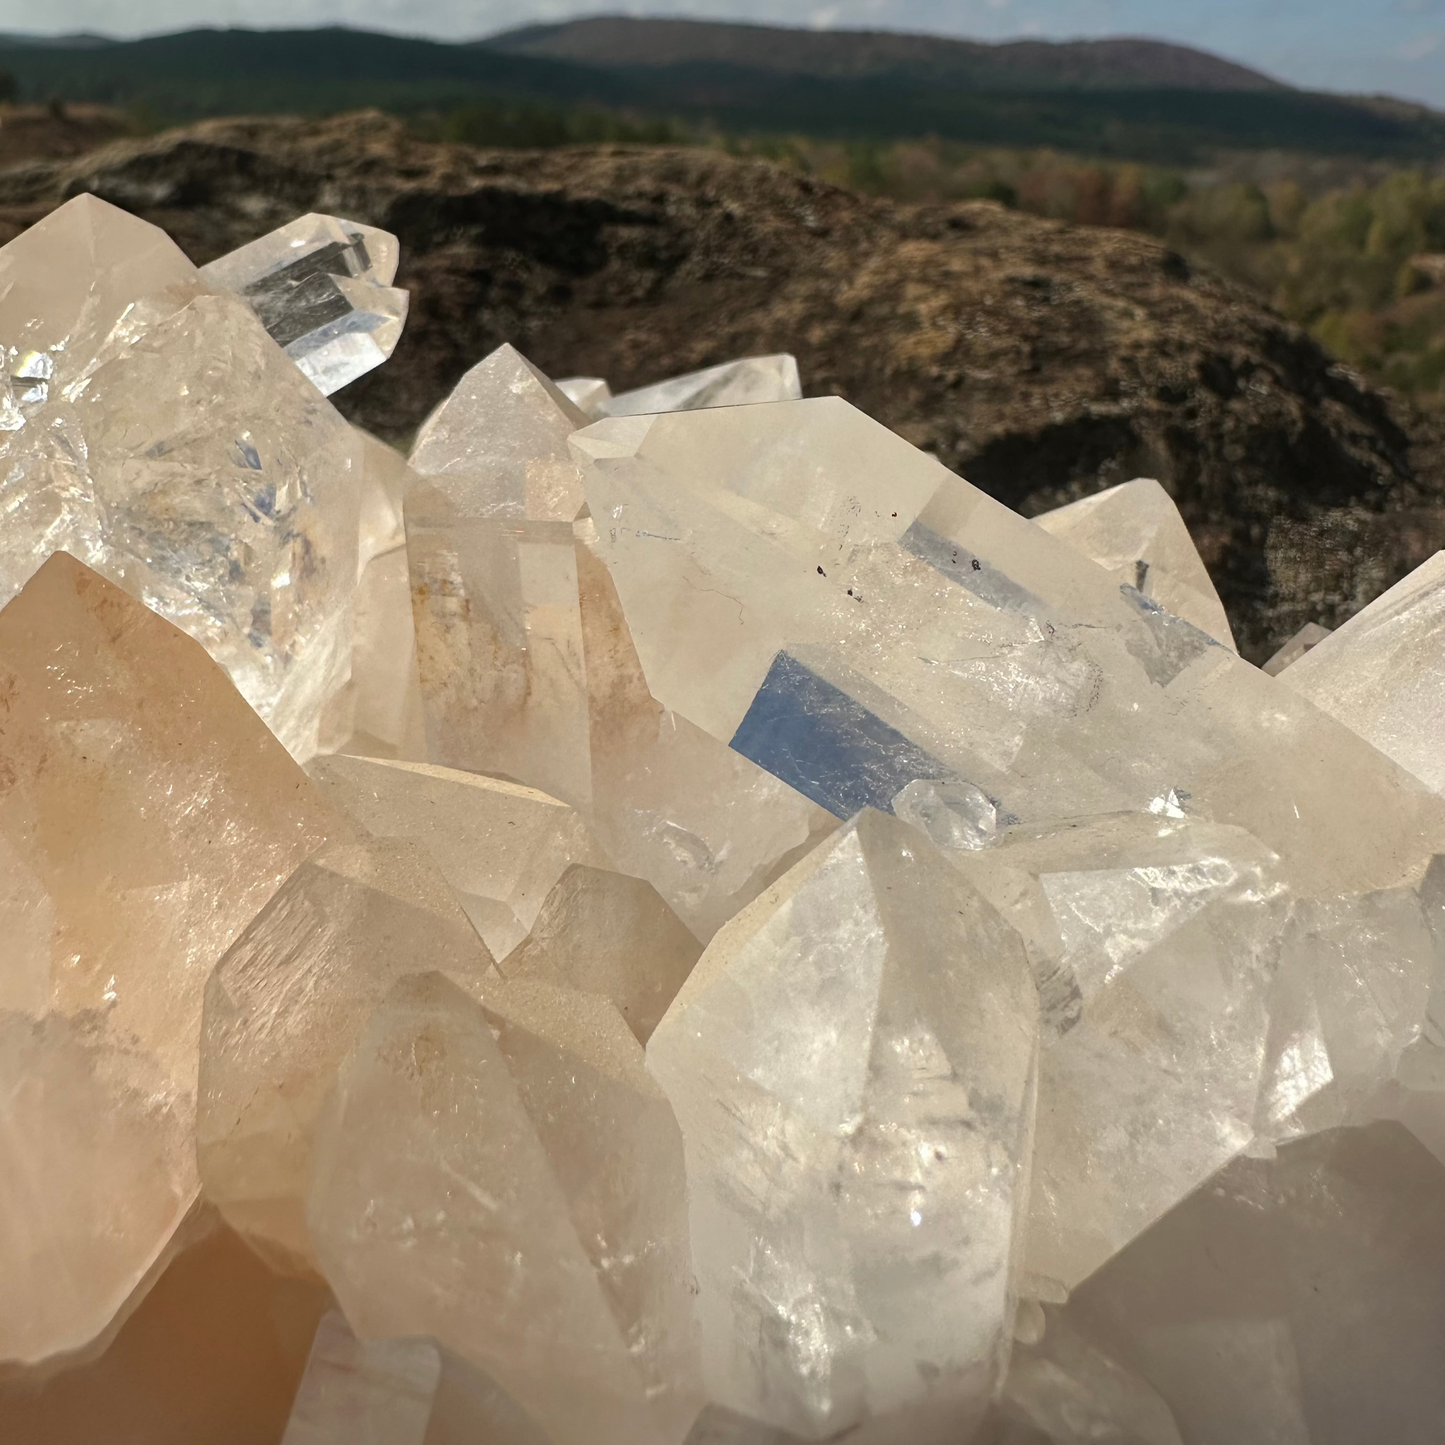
(1129, 99)
(622, 41)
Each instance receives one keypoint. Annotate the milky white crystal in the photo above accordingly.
(146, 814)
(172, 447)
(321, 286)
(734, 383)
(504, 1175)
(286, 1002)
(851, 616)
(1135, 533)
(852, 1063)
(500, 846)
(1382, 674)
(606, 933)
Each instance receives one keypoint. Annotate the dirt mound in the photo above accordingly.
(1042, 361)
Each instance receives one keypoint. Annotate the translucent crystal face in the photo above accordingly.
(1135, 533)
(527, 1208)
(322, 288)
(852, 1064)
(154, 430)
(734, 383)
(852, 617)
(146, 814)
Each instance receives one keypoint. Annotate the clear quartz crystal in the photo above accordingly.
(505, 1176)
(587, 393)
(322, 288)
(1153, 944)
(606, 933)
(497, 446)
(734, 383)
(146, 814)
(500, 846)
(1382, 674)
(852, 1064)
(171, 447)
(527, 667)
(286, 1002)
(851, 616)
(1135, 533)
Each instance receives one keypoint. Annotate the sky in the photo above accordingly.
(1391, 46)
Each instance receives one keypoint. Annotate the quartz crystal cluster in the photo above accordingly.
(671, 918)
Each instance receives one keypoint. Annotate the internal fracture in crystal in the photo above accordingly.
(853, 1066)
(173, 448)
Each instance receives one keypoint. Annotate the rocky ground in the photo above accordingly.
(1042, 361)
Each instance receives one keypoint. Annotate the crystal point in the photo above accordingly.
(322, 288)
(500, 846)
(852, 1064)
(528, 1209)
(285, 1004)
(606, 933)
(1382, 674)
(176, 451)
(735, 383)
(146, 814)
(1135, 533)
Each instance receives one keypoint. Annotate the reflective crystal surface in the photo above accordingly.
(500, 846)
(285, 1004)
(171, 447)
(734, 383)
(1382, 673)
(146, 815)
(606, 933)
(527, 667)
(1135, 533)
(853, 1063)
(1153, 943)
(852, 617)
(322, 288)
(497, 447)
(587, 393)
(505, 1176)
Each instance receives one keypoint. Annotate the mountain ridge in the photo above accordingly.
(210, 72)
(623, 41)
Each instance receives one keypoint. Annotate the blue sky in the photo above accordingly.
(1395, 46)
